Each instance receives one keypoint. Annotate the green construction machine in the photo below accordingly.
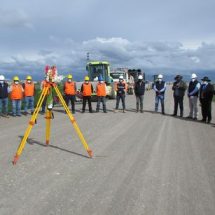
(101, 68)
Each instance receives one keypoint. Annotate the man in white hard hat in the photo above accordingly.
(121, 90)
(160, 88)
(4, 90)
(139, 90)
(193, 93)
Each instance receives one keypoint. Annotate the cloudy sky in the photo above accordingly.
(168, 35)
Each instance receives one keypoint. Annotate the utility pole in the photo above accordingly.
(88, 56)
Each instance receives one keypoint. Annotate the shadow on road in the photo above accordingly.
(32, 141)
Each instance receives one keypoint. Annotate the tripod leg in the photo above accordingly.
(48, 125)
(75, 125)
(31, 124)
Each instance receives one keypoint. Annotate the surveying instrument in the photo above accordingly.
(49, 85)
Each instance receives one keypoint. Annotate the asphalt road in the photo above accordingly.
(143, 164)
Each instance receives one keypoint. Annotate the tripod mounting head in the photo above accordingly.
(51, 74)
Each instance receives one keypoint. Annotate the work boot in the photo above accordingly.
(141, 111)
(115, 110)
(6, 115)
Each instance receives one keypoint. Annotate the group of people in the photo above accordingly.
(17, 92)
(203, 92)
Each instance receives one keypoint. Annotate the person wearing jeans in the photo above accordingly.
(101, 92)
(193, 93)
(29, 103)
(29, 91)
(160, 88)
(16, 93)
(4, 90)
(70, 92)
(139, 90)
(87, 90)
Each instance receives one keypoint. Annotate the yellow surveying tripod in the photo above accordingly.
(48, 86)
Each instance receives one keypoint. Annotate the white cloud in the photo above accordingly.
(14, 18)
(70, 55)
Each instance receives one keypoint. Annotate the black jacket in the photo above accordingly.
(206, 93)
(179, 88)
(139, 88)
(3, 90)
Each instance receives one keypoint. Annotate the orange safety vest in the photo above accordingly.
(29, 89)
(101, 89)
(87, 91)
(69, 88)
(16, 92)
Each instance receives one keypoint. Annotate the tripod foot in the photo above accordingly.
(90, 153)
(16, 157)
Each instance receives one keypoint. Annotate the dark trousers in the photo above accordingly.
(178, 101)
(44, 104)
(139, 102)
(101, 99)
(71, 99)
(206, 110)
(85, 100)
(122, 97)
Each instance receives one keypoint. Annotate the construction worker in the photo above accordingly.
(139, 90)
(29, 92)
(193, 93)
(159, 88)
(4, 90)
(87, 90)
(179, 87)
(206, 97)
(101, 92)
(121, 90)
(70, 92)
(16, 95)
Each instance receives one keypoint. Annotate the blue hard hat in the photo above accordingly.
(100, 78)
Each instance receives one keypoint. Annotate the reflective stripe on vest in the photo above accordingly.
(101, 89)
(16, 92)
(69, 88)
(87, 91)
(29, 89)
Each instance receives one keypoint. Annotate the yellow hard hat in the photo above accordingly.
(86, 78)
(69, 76)
(28, 77)
(16, 78)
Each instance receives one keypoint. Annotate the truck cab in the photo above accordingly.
(101, 68)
